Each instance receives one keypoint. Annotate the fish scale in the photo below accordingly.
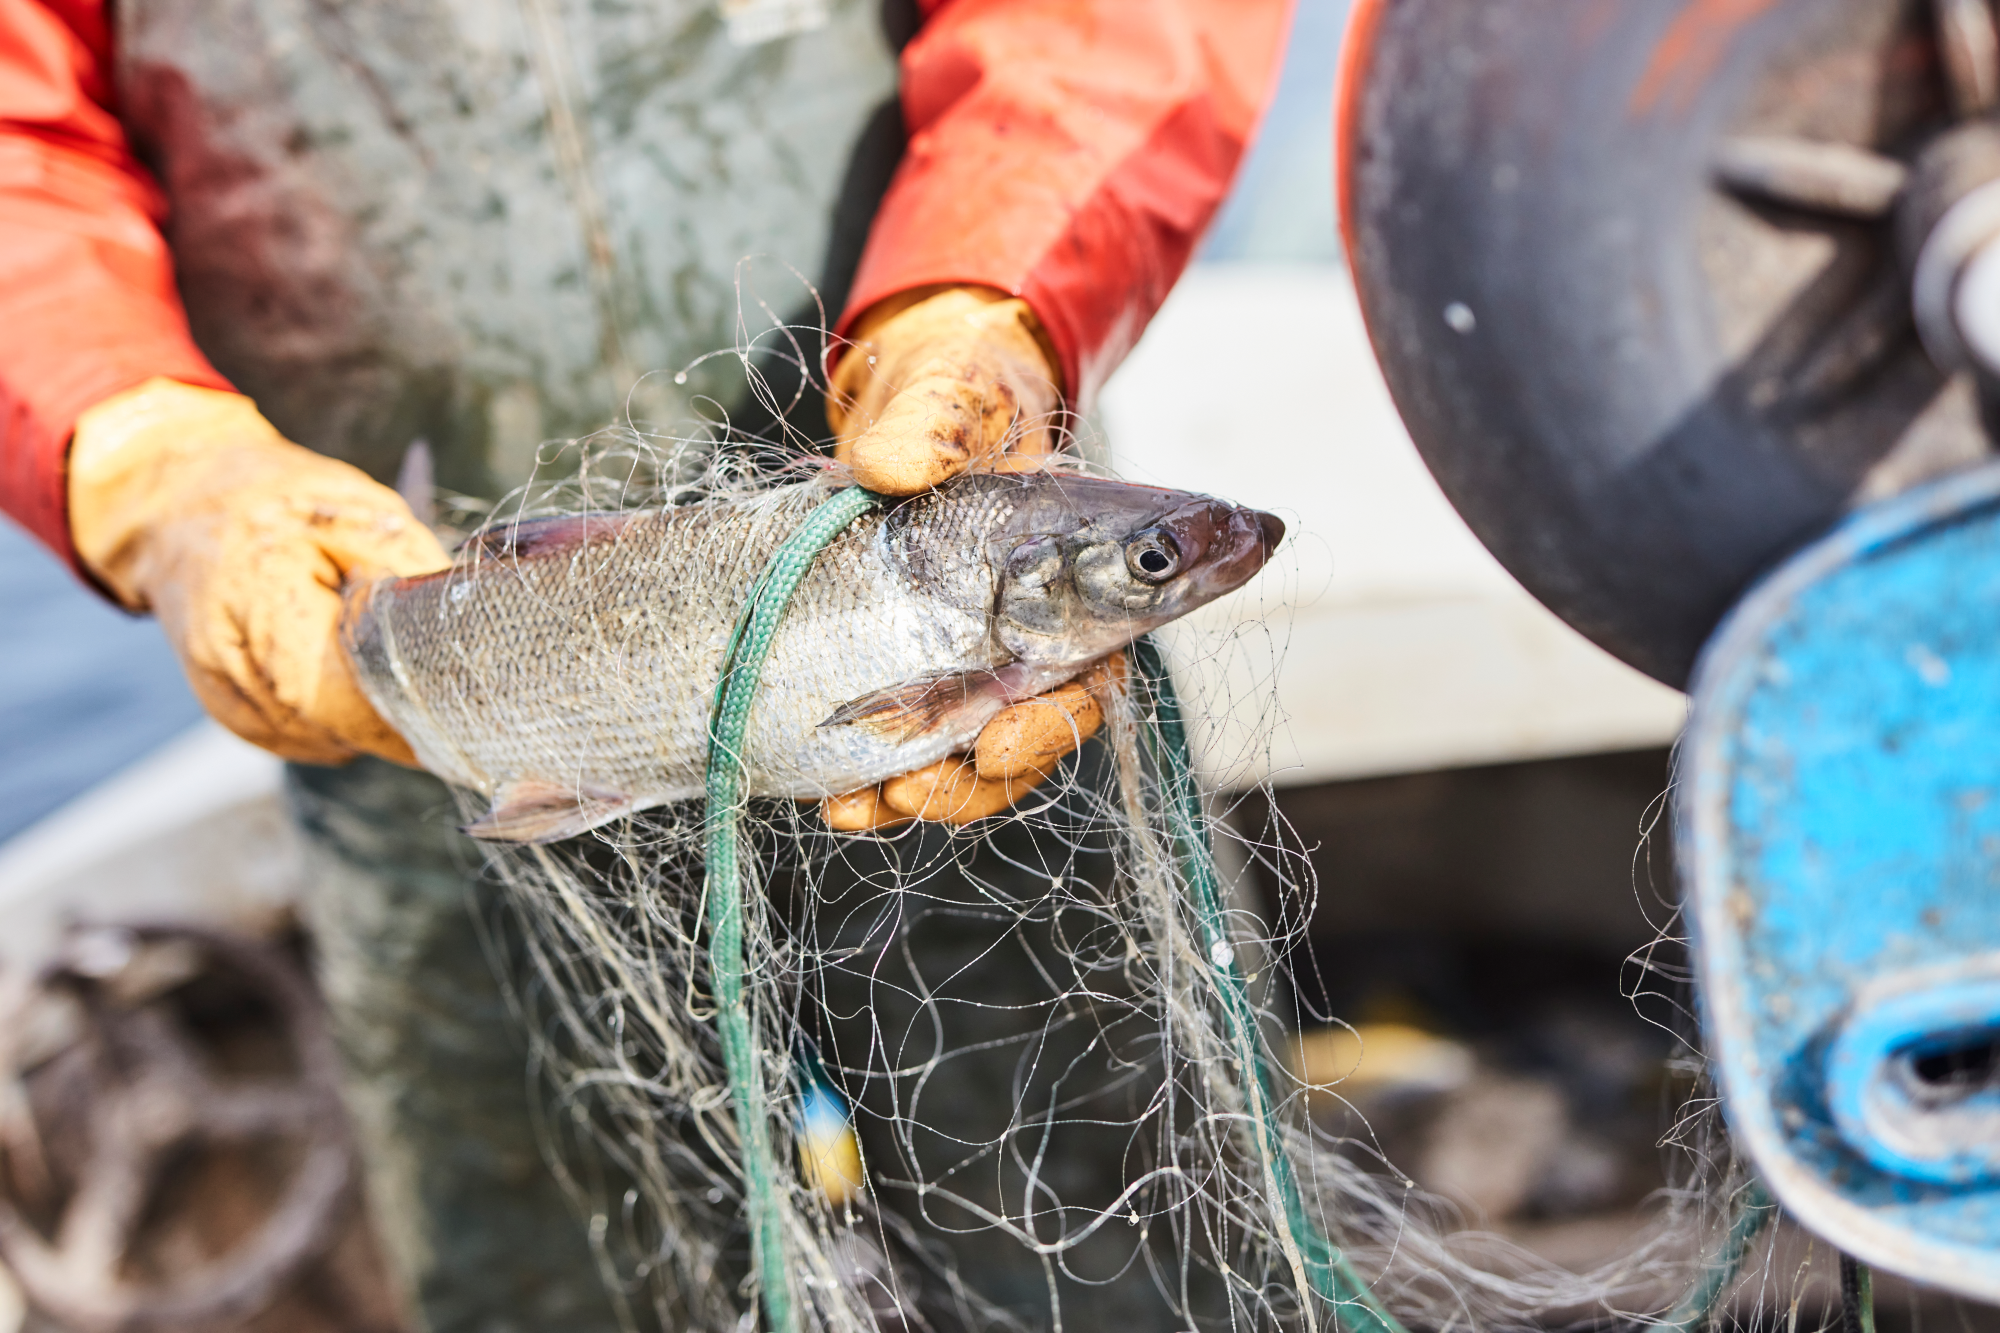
(572, 661)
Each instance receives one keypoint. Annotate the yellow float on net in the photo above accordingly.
(829, 1153)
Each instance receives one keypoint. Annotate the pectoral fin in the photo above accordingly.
(901, 713)
(532, 811)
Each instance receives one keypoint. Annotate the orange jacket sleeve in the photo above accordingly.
(1070, 152)
(87, 299)
(1067, 151)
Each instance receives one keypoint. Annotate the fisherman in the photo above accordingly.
(253, 252)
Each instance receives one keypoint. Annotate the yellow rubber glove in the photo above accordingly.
(1015, 752)
(936, 382)
(185, 502)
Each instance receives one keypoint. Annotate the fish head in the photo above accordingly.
(1087, 564)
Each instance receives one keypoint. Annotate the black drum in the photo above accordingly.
(1642, 375)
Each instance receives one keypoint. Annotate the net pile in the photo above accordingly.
(1048, 1041)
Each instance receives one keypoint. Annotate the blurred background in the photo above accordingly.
(1478, 789)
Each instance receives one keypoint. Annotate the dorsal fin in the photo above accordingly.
(416, 482)
(519, 539)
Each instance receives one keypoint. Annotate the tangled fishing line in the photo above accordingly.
(1052, 1038)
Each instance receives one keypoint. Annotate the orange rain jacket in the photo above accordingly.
(1065, 151)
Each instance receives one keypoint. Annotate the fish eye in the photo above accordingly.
(1152, 556)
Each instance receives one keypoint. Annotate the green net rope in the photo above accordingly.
(1325, 1269)
(742, 665)
(1697, 1309)
(1320, 1264)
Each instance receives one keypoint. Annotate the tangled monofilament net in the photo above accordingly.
(1024, 1023)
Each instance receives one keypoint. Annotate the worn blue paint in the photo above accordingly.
(1840, 822)
(1874, 1088)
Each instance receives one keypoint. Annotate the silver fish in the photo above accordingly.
(565, 667)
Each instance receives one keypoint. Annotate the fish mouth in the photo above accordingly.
(1223, 544)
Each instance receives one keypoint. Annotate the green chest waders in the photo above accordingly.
(480, 223)
(486, 224)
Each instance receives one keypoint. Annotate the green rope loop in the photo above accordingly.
(1325, 1269)
(742, 666)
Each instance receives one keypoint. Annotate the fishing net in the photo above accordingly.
(1031, 1073)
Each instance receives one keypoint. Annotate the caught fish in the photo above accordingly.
(565, 667)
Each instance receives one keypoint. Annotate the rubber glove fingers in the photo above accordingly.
(860, 812)
(187, 503)
(949, 791)
(952, 792)
(1015, 752)
(939, 380)
(1032, 737)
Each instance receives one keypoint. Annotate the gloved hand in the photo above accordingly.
(1015, 751)
(934, 383)
(185, 502)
